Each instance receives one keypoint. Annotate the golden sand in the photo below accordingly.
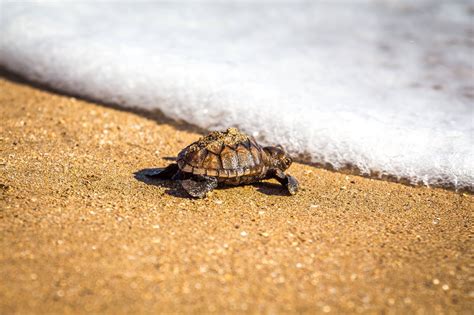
(82, 231)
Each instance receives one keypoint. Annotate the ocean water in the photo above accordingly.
(385, 87)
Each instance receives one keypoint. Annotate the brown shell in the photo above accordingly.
(223, 154)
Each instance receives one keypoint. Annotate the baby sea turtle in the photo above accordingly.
(230, 158)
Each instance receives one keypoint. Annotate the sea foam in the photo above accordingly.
(384, 87)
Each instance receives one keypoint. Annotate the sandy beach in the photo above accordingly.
(82, 231)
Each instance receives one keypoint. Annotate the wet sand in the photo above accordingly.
(81, 230)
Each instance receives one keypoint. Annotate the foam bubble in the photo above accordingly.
(385, 87)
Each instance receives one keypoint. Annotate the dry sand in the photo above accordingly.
(80, 232)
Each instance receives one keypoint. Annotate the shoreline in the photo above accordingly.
(80, 232)
(160, 118)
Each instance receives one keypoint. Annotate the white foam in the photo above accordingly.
(384, 86)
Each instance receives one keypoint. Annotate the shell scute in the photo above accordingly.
(215, 147)
(245, 157)
(223, 173)
(256, 154)
(212, 172)
(199, 171)
(229, 158)
(212, 161)
(195, 157)
(246, 143)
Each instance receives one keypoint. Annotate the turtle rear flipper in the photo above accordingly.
(167, 173)
(199, 186)
(286, 180)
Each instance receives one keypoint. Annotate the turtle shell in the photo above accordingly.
(227, 154)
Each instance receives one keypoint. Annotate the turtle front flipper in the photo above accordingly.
(167, 173)
(286, 180)
(198, 186)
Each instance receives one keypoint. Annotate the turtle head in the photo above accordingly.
(278, 157)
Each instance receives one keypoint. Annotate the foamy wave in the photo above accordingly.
(385, 87)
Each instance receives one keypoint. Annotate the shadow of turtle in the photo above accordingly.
(173, 187)
(271, 189)
(169, 158)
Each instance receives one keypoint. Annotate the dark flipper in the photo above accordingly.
(286, 180)
(167, 173)
(199, 186)
(292, 185)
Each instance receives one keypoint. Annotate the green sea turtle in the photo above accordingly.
(230, 158)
